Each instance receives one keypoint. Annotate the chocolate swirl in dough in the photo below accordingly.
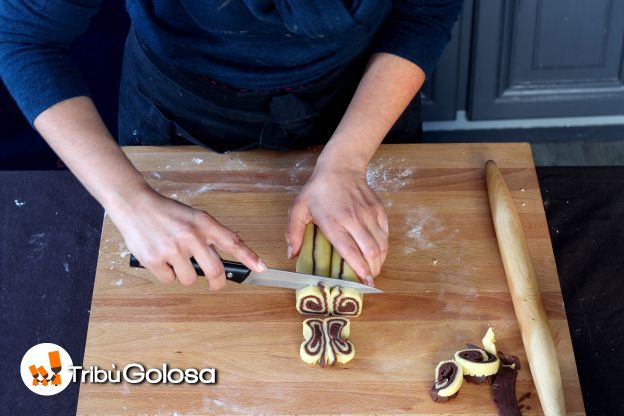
(312, 349)
(337, 301)
(336, 333)
(325, 341)
(345, 301)
(313, 300)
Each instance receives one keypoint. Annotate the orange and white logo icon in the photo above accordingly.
(45, 369)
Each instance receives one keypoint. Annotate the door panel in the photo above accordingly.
(547, 58)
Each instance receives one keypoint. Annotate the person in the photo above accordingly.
(233, 75)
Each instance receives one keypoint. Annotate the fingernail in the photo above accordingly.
(369, 281)
(261, 266)
(290, 252)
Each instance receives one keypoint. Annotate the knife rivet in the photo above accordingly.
(229, 275)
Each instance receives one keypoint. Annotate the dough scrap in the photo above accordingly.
(448, 379)
(480, 364)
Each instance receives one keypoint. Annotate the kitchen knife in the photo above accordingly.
(239, 273)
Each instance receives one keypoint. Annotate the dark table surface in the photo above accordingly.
(50, 229)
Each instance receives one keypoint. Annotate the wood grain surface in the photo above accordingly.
(443, 284)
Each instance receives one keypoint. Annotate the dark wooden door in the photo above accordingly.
(444, 91)
(546, 58)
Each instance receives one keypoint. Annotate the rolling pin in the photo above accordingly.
(525, 294)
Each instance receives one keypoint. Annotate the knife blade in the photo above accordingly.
(239, 273)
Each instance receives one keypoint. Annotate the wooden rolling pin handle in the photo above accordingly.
(525, 294)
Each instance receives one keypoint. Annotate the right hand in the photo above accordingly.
(163, 234)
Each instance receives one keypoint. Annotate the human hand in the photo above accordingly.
(163, 234)
(352, 217)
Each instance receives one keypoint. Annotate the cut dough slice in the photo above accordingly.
(313, 300)
(325, 342)
(345, 301)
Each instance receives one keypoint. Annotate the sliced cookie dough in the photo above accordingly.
(326, 341)
(345, 301)
(448, 379)
(312, 349)
(313, 300)
(321, 300)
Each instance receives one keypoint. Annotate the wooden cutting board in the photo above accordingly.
(443, 284)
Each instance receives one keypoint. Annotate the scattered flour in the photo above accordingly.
(19, 203)
(208, 406)
(156, 175)
(66, 266)
(118, 282)
(198, 161)
(388, 175)
(207, 187)
(123, 251)
(299, 167)
(422, 229)
(241, 187)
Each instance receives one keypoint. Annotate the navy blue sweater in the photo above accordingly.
(254, 44)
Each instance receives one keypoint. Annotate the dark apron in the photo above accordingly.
(160, 105)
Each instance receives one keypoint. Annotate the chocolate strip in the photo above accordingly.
(341, 272)
(504, 392)
(510, 360)
(314, 249)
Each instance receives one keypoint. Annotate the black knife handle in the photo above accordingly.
(234, 271)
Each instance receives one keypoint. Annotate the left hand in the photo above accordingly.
(339, 200)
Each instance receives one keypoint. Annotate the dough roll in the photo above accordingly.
(315, 253)
(340, 269)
